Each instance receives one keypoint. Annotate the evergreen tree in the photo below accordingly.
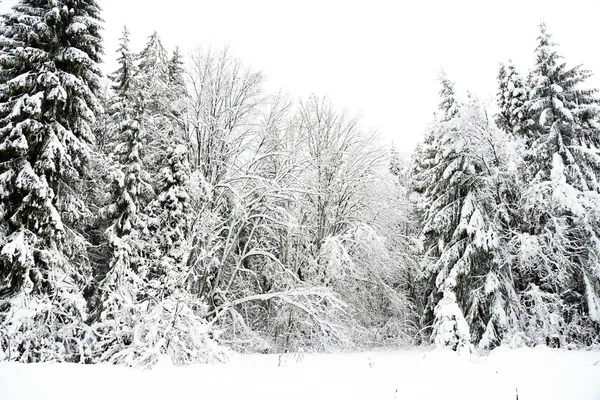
(172, 205)
(49, 58)
(122, 286)
(124, 78)
(122, 289)
(176, 73)
(172, 326)
(157, 98)
(502, 99)
(126, 98)
(458, 169)
(438, 231)
(560, 206)
(511, 98)
(449, 105)
(154, 75)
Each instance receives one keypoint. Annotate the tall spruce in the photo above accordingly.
(176, 73)
(158, 97)
(124, 78)
(50, 52)
(123, 288)
(154, 75)
(126, 99)
(457, 170)
(559, 245)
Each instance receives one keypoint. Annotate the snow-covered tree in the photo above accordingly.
(122, 289)
(149, 312)
(449, 106)
(511, 98)
(177, 73)
(124, 78)
(125, 95)
(395, 167)
(172, 205)
(225, 97)
(160, 99)
(558, 245)
(49, 58)
(456, 175)
(341, 159)
(154, 75)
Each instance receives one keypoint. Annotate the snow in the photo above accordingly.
(538, 373)
(73, 54)
(76, 27)
(451, 329)
(592, 299)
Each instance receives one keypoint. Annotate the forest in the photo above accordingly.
(176, 208)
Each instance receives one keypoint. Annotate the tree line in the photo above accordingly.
(175, 208)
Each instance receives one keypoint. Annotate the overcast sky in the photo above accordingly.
(375, 57)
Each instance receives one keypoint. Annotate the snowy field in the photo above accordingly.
(539, 373)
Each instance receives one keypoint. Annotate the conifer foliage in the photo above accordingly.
(49, 56)
(459, 166)
(511, 98)
(560, 204)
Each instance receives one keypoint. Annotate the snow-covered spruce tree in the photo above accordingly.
(122, 102)
(424, 157)
(503, 115)
(125, 77)
(395, 167)
(171, 208)
(157, 96)
(511, 98)
(154, 76)
(125, 91)
(558, 249)
(49, 55)
(178, 92)
(120, 303)
(176, 74)
(457, 171)
(427, 171)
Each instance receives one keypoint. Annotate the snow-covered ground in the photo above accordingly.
(539, 373)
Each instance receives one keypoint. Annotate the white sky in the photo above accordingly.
(375, 57)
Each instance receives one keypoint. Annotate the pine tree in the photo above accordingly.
(122, 289)
(176, 73)
(173, 327)
(449, 105)
(561, 288)
(503, 116)
(49, 58)
(154, 75)
(157, 99)
(458, 166)
(126, 98)
(124, 78)
(438, 230)
(172, 205)
(511, 98)
(564, 114)
(170, 222)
